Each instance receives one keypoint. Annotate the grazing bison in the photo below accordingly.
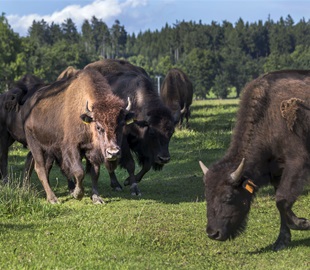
(11, 128)
(270, 145)
(153, 127)
(71, 119)
(177, 94)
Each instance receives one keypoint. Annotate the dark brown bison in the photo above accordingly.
(149, 136)
(71, 119)
(11, 127)
(270, 145)
(177, 94)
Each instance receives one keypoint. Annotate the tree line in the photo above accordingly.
(219, 58)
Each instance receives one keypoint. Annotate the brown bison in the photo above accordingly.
(149, 136)
(270, 145)
(177, 94)
(71, 119)
(11, 127)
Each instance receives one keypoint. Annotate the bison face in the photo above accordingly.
(228, 203)
(107, 128)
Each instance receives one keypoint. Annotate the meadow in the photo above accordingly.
(162, 229)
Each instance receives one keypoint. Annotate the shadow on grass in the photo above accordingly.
(294, 244)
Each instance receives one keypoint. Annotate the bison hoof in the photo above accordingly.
(97, 199)
(118, 189)
(135, 190)
(116, 186)
(282, 242)
(78, 194)
(127, 182)
(53, 200)
(300, 224)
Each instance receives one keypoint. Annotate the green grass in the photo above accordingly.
(162, 229)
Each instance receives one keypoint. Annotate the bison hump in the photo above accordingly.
(289, 110)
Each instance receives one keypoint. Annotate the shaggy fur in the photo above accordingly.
(55, 131)
(150, 134)
(11, 127)
(272, 135)
(176, 93)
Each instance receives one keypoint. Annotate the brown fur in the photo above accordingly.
(177, 94)
(53, 125)
(272, 134)
(68, 73)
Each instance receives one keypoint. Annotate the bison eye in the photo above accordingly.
(99, 129)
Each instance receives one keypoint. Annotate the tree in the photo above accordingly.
(199, 66)
(10, 47)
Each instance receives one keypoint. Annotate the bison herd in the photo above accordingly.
(105, 113)
(108, 113)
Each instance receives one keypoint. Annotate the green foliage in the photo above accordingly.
(162, 229)
(236, 53)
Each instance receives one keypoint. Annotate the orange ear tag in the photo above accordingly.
(249, 188)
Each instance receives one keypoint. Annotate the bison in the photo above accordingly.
(70, 119)
(149, 136)
(177, 94)
(11, 127)
(270, 145)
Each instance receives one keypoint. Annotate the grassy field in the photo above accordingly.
(162, 229)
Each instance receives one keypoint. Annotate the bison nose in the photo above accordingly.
(112, 153)
(163, 160)
(215, 235)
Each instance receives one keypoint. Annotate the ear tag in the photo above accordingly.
(249, 186)
(129, 121)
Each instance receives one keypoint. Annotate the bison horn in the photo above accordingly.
(236, 175)
(184, 109)
(203, 167)
(87, 109)
(128, 108)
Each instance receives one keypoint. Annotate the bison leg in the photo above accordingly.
(127, 162)
(4, 150)
(296, 223)
(41, 172)
(28, 169)
(114, 182)
(287, 192)
(78, 192)
(94, 172)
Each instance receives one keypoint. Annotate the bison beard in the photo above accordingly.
(270, 143)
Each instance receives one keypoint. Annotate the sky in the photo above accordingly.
(143, 15)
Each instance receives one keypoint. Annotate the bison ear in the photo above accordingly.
(236, 175)
(129, 118)
(203, 167)
(86, 118)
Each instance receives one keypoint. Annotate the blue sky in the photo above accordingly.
(141, 15)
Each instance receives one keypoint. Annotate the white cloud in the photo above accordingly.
(106, 10)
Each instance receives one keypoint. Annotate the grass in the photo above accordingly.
(162, 229)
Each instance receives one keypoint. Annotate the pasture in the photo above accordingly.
(162, 229)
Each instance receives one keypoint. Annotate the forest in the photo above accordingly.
(220, 57)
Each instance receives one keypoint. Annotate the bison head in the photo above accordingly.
(108, 122)
(158, 130)
(228, 195)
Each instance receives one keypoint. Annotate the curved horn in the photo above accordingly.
(236, 175)
(87, 109)
(203, 167)
(128, 108)
(184, 109)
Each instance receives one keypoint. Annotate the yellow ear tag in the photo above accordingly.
(249, 188)
(129, 121)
